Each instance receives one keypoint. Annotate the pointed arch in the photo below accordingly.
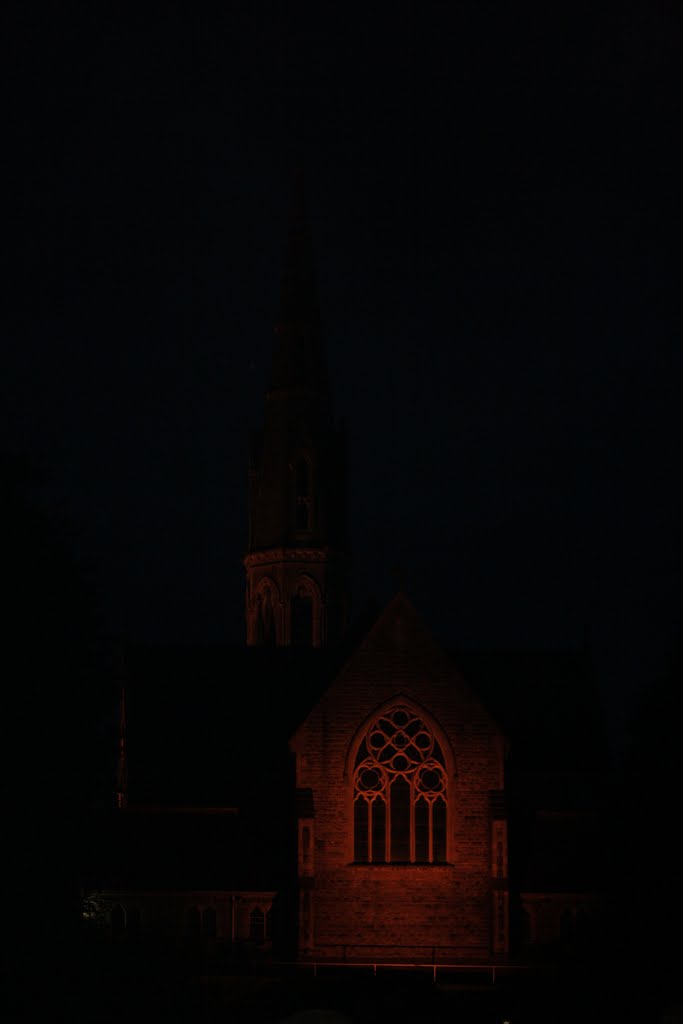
(400, 766)
(267, 585)
(305, 612)
(310, 586)
(267, 603)
(417, 708)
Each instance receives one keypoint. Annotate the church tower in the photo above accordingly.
(297, 560)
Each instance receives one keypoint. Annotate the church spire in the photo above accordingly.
(297, 560)
(298, 354)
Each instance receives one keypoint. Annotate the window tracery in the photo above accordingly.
(400, 791)
(266, 633)
(302, 617)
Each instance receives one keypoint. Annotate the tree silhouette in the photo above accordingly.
(52, 693)
(647, 892)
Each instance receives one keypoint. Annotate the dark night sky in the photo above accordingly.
(495, 202)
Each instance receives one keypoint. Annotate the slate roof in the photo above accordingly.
(205, 724)
(208, 727)
(162, 848)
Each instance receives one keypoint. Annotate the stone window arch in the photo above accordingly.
(400, 790)
(267, 601)
(305, 613)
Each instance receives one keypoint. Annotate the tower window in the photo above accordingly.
(302, 619)
(265, 620)
(302, 493)
(400, 792)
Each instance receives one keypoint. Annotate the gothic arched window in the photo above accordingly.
(265, 619)
(302, 493)
(400, 791)
(302, 618)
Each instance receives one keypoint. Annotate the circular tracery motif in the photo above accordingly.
(430, 779)
(370, 778)
(400, 791)
(399, 742)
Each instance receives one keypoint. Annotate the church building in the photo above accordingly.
(340, 790)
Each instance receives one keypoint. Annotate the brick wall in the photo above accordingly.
(392, 909)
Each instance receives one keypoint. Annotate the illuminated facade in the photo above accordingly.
(345, 795)
(397, 763)
(402, 770)
(297, 553)
(402, 826)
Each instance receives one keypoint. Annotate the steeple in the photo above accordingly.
(298, 353)
(297, 558)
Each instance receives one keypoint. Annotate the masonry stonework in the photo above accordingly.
(425, 910)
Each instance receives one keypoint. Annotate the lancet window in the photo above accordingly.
(302, 489)
(400, 791)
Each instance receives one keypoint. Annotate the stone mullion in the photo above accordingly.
(412, 819)
(370, 804)
(387, 822)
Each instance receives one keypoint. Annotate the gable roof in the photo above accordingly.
(206, 725)
(165, 848)
(203, 722)
(399, 652)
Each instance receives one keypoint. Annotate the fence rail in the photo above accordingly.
(492, 971)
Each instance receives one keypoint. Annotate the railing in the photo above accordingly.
(492, 971)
